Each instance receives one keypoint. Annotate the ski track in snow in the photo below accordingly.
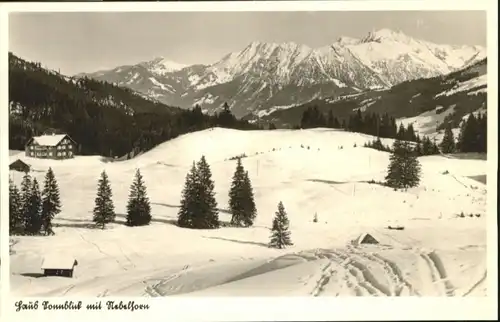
(481, 281)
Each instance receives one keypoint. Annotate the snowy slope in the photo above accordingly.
(430, 257)
(266, 74)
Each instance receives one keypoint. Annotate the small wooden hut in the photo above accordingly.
(59, 266)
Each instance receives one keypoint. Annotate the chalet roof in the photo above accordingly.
(49, 140)
(58, 262)
(19, 162)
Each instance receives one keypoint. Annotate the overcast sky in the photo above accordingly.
(85, 42)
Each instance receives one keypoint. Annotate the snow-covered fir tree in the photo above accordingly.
(104, 209)
(280, 233)
(26, 186)
(426, 146)
(188, 208)
(473, 134)
(207, 214)
(241, 199)
(16, 220)
(448, 143)
(404, 167)
(33, 210)
(138, 207)
(250, 207)
(51, 203)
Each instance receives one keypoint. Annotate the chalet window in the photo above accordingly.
(32, 154)
(64, 153)
(32, 147)
(50, 154)
(69, 146)
(70, 153)
(58, 154)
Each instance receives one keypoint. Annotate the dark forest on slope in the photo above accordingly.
(103, 118)
(407, 99)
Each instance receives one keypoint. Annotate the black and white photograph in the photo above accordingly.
(278, 154)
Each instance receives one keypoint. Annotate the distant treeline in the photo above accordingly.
(383, 126)
(472, 136)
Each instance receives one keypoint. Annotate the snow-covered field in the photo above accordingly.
(437, 254)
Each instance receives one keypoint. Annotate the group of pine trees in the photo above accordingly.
(367, 123)
(420, 147)
(30, 211)
(198, 207)
(472, 136)
(138, 206)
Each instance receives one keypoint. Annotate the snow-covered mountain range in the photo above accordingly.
(263, 75)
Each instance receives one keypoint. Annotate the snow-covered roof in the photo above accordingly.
(58, 262)
(49, 140)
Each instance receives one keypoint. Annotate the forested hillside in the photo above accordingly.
(103, 118)
(459, 93)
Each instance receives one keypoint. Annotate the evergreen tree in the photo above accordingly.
(189, 200)
(280, 233)
(401, 135)
(385, 124)
(241, 199)
(435, 148)
(26, 186)
(104, 209)
(404, 167)
(410, 133)
(33, 208)
(448, 143)
(207, 214)
(428, 147)
(225, 117)
(472, 136)
(483, 131)
(418, 148)
(236, 195)
(250, 208)
(336, 123)
(51, 204)
(16, 221)
(461, 140)
(138, 207)
(330, 120)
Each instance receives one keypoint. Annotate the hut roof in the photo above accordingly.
(59, 262)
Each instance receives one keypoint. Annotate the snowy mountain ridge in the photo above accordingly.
(266, 74)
